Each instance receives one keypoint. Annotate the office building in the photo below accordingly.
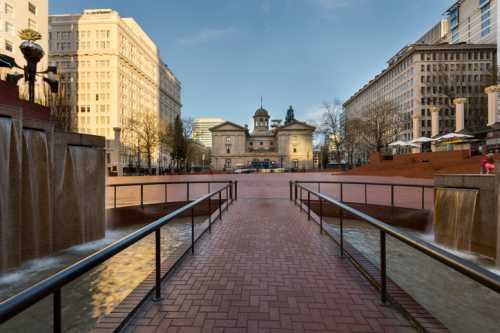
(201, 129)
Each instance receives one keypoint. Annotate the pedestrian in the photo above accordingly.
(483, 161)
(489, 166)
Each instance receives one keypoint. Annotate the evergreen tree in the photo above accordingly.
(179, 143)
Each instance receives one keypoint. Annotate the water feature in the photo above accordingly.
(9, 195)
(78, 205)
(37, 228)
(455, 217)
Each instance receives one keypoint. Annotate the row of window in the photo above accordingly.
(455, 78)
(456, 67)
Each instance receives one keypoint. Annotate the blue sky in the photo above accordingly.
(229, 53)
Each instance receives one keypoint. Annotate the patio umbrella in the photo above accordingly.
(450, 136)
(422, 139)
(398, 143)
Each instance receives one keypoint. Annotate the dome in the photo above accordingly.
(261, 112)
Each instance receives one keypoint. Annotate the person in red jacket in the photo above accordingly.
(489, 166)
(483, 161)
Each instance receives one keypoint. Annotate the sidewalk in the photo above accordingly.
(265, 268)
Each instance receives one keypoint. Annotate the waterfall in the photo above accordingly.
(36, 234)
(9, 195)
(455, 217)
(79, 207)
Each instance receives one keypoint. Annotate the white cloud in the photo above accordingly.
(314, 114)
(206, 36)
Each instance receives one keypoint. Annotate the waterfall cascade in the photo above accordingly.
(456, 215)
(51, 190)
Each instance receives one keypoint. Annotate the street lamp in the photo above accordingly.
(32, 53)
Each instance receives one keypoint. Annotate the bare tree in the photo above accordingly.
(332, 127)
(353, 140)
(144, 130)
(381, 123)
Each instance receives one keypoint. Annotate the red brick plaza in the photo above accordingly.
(265, 268)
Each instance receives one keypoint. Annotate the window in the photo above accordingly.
(32, 8)
(9, 28)
(294, 150)
(228, 139)
(32, 24)
(8, 46)
(9, 10)
(227, 164)
(228, 149)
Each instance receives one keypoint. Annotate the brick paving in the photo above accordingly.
(265, 268)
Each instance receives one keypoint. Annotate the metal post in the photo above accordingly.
(321, 215)
(208, 187)
(341, 232)
(319, 187)
(366, 195)
(142, 195)
(341, 192)
(57, 311)
(392, 195)
(300, 200)
(157, 296)
(220, 205)
(423, 197)
(210, 214)
(308, 205)
(187, 191)
(231, 191)
(295, 196)
(115, 198)
(291, 194)
(166, 193)
(192, 230)
(227, 199)
(383, 272)
(236, 190)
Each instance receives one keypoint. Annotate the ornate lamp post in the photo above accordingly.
(33, 53)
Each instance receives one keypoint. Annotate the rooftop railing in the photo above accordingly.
(53, 285)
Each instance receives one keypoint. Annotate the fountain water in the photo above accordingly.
(37, 229)
(79, 206)
(456, 216)
(9, 194)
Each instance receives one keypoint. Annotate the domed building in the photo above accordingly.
(269, 145)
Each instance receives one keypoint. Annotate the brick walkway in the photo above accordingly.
(266, 268)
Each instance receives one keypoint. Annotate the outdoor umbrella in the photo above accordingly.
(398, 143)
(450, 136)
(422, 139)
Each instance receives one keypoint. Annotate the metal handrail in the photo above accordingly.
(166, 183)
(52, 285)
(366, 184)
(471, 270)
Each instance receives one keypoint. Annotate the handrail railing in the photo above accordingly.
(187, 183)
(469, 269)
(366, 184)
(52, 285)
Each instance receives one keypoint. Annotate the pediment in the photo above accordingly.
(227, 126)
(297, 125)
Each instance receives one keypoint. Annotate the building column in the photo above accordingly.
(417, 129)
(459, 113)
(116, 159)
(434, 124)
(493, 93)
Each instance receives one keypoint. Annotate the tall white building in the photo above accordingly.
(201, 129)
(112, 71)
(16, 15)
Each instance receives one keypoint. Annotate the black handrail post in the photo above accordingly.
(319, 187)
(321, 215)
(192, 230)
(341, 216)
(115, 198)
(300, 201)
(142, 195)
(236, 190)
(231, 190)
(295, 199)
(227, 199)
(291, 195)
(423, 197)
(308, 205)
(210, 214)
(187, 191)
(366, 196)
(341, 192)
(57, 308)
(220, 205)
(166, 193)
(383, 272)
(392, 195)
(157, 296)
(208, 187)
